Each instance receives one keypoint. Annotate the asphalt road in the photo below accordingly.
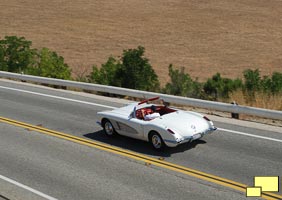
(65, 170)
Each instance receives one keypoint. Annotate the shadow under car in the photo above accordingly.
(140, 146)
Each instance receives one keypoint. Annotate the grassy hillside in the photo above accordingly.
(205, 36)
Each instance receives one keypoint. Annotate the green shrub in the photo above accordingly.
(131, 71)
(276, 83)
(136, 71)
(106, 75)
(16, 54)
(254, 83)
(49, 64)
(218, 87)
(180, 84)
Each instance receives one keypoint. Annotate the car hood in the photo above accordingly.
(185, 123)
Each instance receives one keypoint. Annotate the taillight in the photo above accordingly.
(206, 118)
(169, 130)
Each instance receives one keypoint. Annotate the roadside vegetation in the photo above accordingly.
(16, 55)
(133, 70)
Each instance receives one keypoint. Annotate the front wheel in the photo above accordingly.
(108, 128)
(156, 141)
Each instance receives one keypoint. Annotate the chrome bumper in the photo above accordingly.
(189, 138)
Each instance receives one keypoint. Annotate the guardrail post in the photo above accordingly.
(234, 115)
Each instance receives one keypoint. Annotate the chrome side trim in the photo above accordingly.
(171, 141)
(126, 128)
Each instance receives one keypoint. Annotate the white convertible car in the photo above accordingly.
(165, 126)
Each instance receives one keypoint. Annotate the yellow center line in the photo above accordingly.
(136, 156)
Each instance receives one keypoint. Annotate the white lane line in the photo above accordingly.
(250, 135)
(27, 188)
(57, 97)
(111, 107)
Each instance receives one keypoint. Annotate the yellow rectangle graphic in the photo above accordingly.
(267, 184)
(253, 192)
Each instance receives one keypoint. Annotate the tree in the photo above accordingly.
(276, 80)
(218, 87)
(16, 54)
(181, 84)
(254, 83)
(252, 80)
(136, 72)
(3, 63)
(107, 73)
(266, 85)
(50, 65)
(131, 71)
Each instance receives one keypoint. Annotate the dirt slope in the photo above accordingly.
(204, 36)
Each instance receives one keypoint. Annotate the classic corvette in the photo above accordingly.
(166, 126)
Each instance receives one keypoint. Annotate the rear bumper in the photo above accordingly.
(210, 130)
(178, 141)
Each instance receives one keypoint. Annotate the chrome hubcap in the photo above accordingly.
(156, 141)
(109, 128)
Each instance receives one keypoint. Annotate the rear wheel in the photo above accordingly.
(156, 141)
(108, 128)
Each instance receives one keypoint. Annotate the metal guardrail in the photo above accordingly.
(272, 114)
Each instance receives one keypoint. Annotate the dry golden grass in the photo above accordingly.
(262, 100)
(204, 36)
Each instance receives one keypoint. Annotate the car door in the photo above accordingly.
(131, 127)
